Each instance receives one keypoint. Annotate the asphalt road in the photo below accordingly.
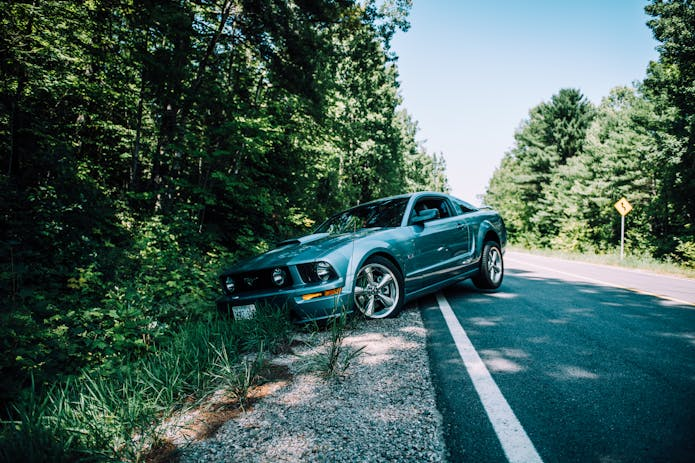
(572, 365)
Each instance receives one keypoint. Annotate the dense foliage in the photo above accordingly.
(144, 143)
(572, 161)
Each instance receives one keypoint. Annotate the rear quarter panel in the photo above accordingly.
(487, 224)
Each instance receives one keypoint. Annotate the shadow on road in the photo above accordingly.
(594, 373)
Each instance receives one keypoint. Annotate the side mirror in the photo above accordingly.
(425, 216)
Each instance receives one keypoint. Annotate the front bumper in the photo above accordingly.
(300, 310)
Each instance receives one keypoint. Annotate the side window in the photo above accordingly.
(444, 208)
(439, 204)
(461, 207)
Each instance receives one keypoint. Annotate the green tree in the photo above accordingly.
(553, 134)
(622, 161)
(565, 120)
(670, 84)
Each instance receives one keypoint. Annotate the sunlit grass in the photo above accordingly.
(334, 361)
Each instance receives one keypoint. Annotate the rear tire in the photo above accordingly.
(378, 289)
(491, 267)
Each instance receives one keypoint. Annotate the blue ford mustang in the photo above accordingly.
(372, 258)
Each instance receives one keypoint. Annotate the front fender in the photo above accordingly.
(361, 254)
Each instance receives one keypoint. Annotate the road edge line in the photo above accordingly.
(605, 283)
(515, 442)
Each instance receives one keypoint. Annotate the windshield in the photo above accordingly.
(387, 213)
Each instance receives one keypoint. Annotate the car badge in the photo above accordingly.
(250, 280)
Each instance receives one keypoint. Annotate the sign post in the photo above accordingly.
(623, 208)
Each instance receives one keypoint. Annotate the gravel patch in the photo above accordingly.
(382, 409)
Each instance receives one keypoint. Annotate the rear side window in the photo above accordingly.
(462, 207)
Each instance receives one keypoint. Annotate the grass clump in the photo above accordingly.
(335, 358)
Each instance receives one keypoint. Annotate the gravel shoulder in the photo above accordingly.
(382, 409)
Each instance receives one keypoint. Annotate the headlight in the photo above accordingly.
(230, 284)
(324, 271)
(279, 277)
(317, 272)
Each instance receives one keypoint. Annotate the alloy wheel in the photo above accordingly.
(377, 292)
(494, 265)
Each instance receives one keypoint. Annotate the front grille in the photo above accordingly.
(258, 280)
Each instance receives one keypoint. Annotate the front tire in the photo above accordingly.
(378, 289)
(491, 267)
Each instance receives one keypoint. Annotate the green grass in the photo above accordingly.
(115, 415)
(632, 261)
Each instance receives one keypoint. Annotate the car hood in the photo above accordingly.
(305, 249)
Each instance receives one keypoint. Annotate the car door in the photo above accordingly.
(436, 243)
(463, 247)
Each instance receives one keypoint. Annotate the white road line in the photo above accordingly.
(515, 442)
(602, 282)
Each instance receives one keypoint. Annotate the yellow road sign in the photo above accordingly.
(623, 206)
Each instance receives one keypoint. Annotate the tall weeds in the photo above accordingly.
(334, 361)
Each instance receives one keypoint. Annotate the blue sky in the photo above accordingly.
(470, 71)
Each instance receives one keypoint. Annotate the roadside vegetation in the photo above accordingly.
(146, 145)
(572, 161)
(123, 412)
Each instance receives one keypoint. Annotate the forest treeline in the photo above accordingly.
(145, 143)
(572, 160)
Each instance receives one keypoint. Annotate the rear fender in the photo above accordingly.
(488, 231)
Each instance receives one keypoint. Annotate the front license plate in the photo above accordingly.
(244, 312)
